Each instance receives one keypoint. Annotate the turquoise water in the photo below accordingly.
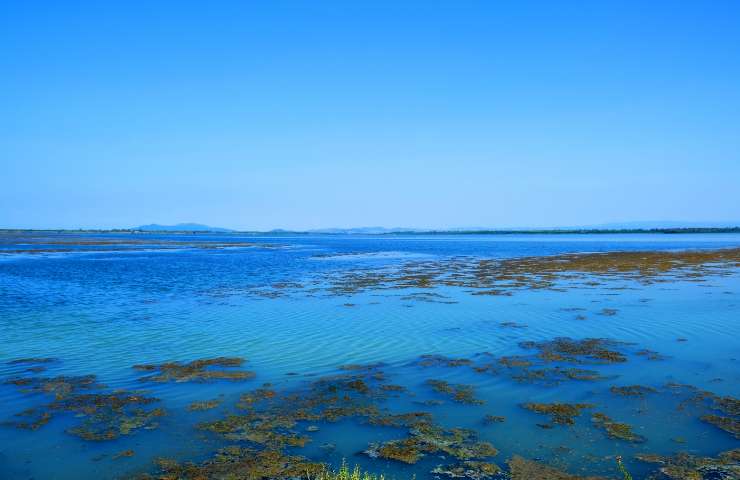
(99, 307)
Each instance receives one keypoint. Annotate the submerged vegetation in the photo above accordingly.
(196, 371)
(268, 423)
(238, 463)
(459, 393)
(273, 430)
(102, 414)
(617, 430)
(560, 413)
(684, 466)
(524, 469)
(505, 277)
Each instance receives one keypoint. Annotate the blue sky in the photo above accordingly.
(267, 114)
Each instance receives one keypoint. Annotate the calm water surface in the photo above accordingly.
(101, 309)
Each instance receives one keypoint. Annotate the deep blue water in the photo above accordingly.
(100, 310)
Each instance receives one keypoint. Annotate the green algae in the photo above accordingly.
(560, 413)
(616, 430)
(196, 371)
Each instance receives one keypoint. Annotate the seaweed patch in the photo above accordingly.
(196, 371)
(616, 430)
(560, 413)
(103, 414)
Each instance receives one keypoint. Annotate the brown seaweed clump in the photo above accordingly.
(558, 360)
(728, 424)
(684, 466)
(728, 407)
(556, 272)
(491, 419)
(407, 450)
(560, 413)
(617, 430)
(401, 419)
(588, 350)
(270, 418)
(104, 415)
(32, 361)
(204, 405)
(632, 390)
(524, 469)
(459, 392)
(60, 387)
(238, 463)
(124, 454)
(427, 438)
(472, 470)
(33, 419)
(442, 361)
(196, 371)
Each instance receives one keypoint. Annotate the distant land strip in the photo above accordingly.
(686, 230)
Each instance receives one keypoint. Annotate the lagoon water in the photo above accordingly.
(99, 304)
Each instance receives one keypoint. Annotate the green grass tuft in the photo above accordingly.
(344, 473)
(623, 469)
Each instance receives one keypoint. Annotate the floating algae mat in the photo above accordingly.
(449, 357)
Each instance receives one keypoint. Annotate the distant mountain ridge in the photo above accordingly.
(639, 225)
(181, 227)
(615, 226)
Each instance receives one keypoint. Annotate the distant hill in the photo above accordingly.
(181, 227)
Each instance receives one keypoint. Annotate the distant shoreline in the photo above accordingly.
(688, 230)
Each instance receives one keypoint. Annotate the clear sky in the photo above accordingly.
(307, 114)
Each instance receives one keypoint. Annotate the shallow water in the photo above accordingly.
(100, 308)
